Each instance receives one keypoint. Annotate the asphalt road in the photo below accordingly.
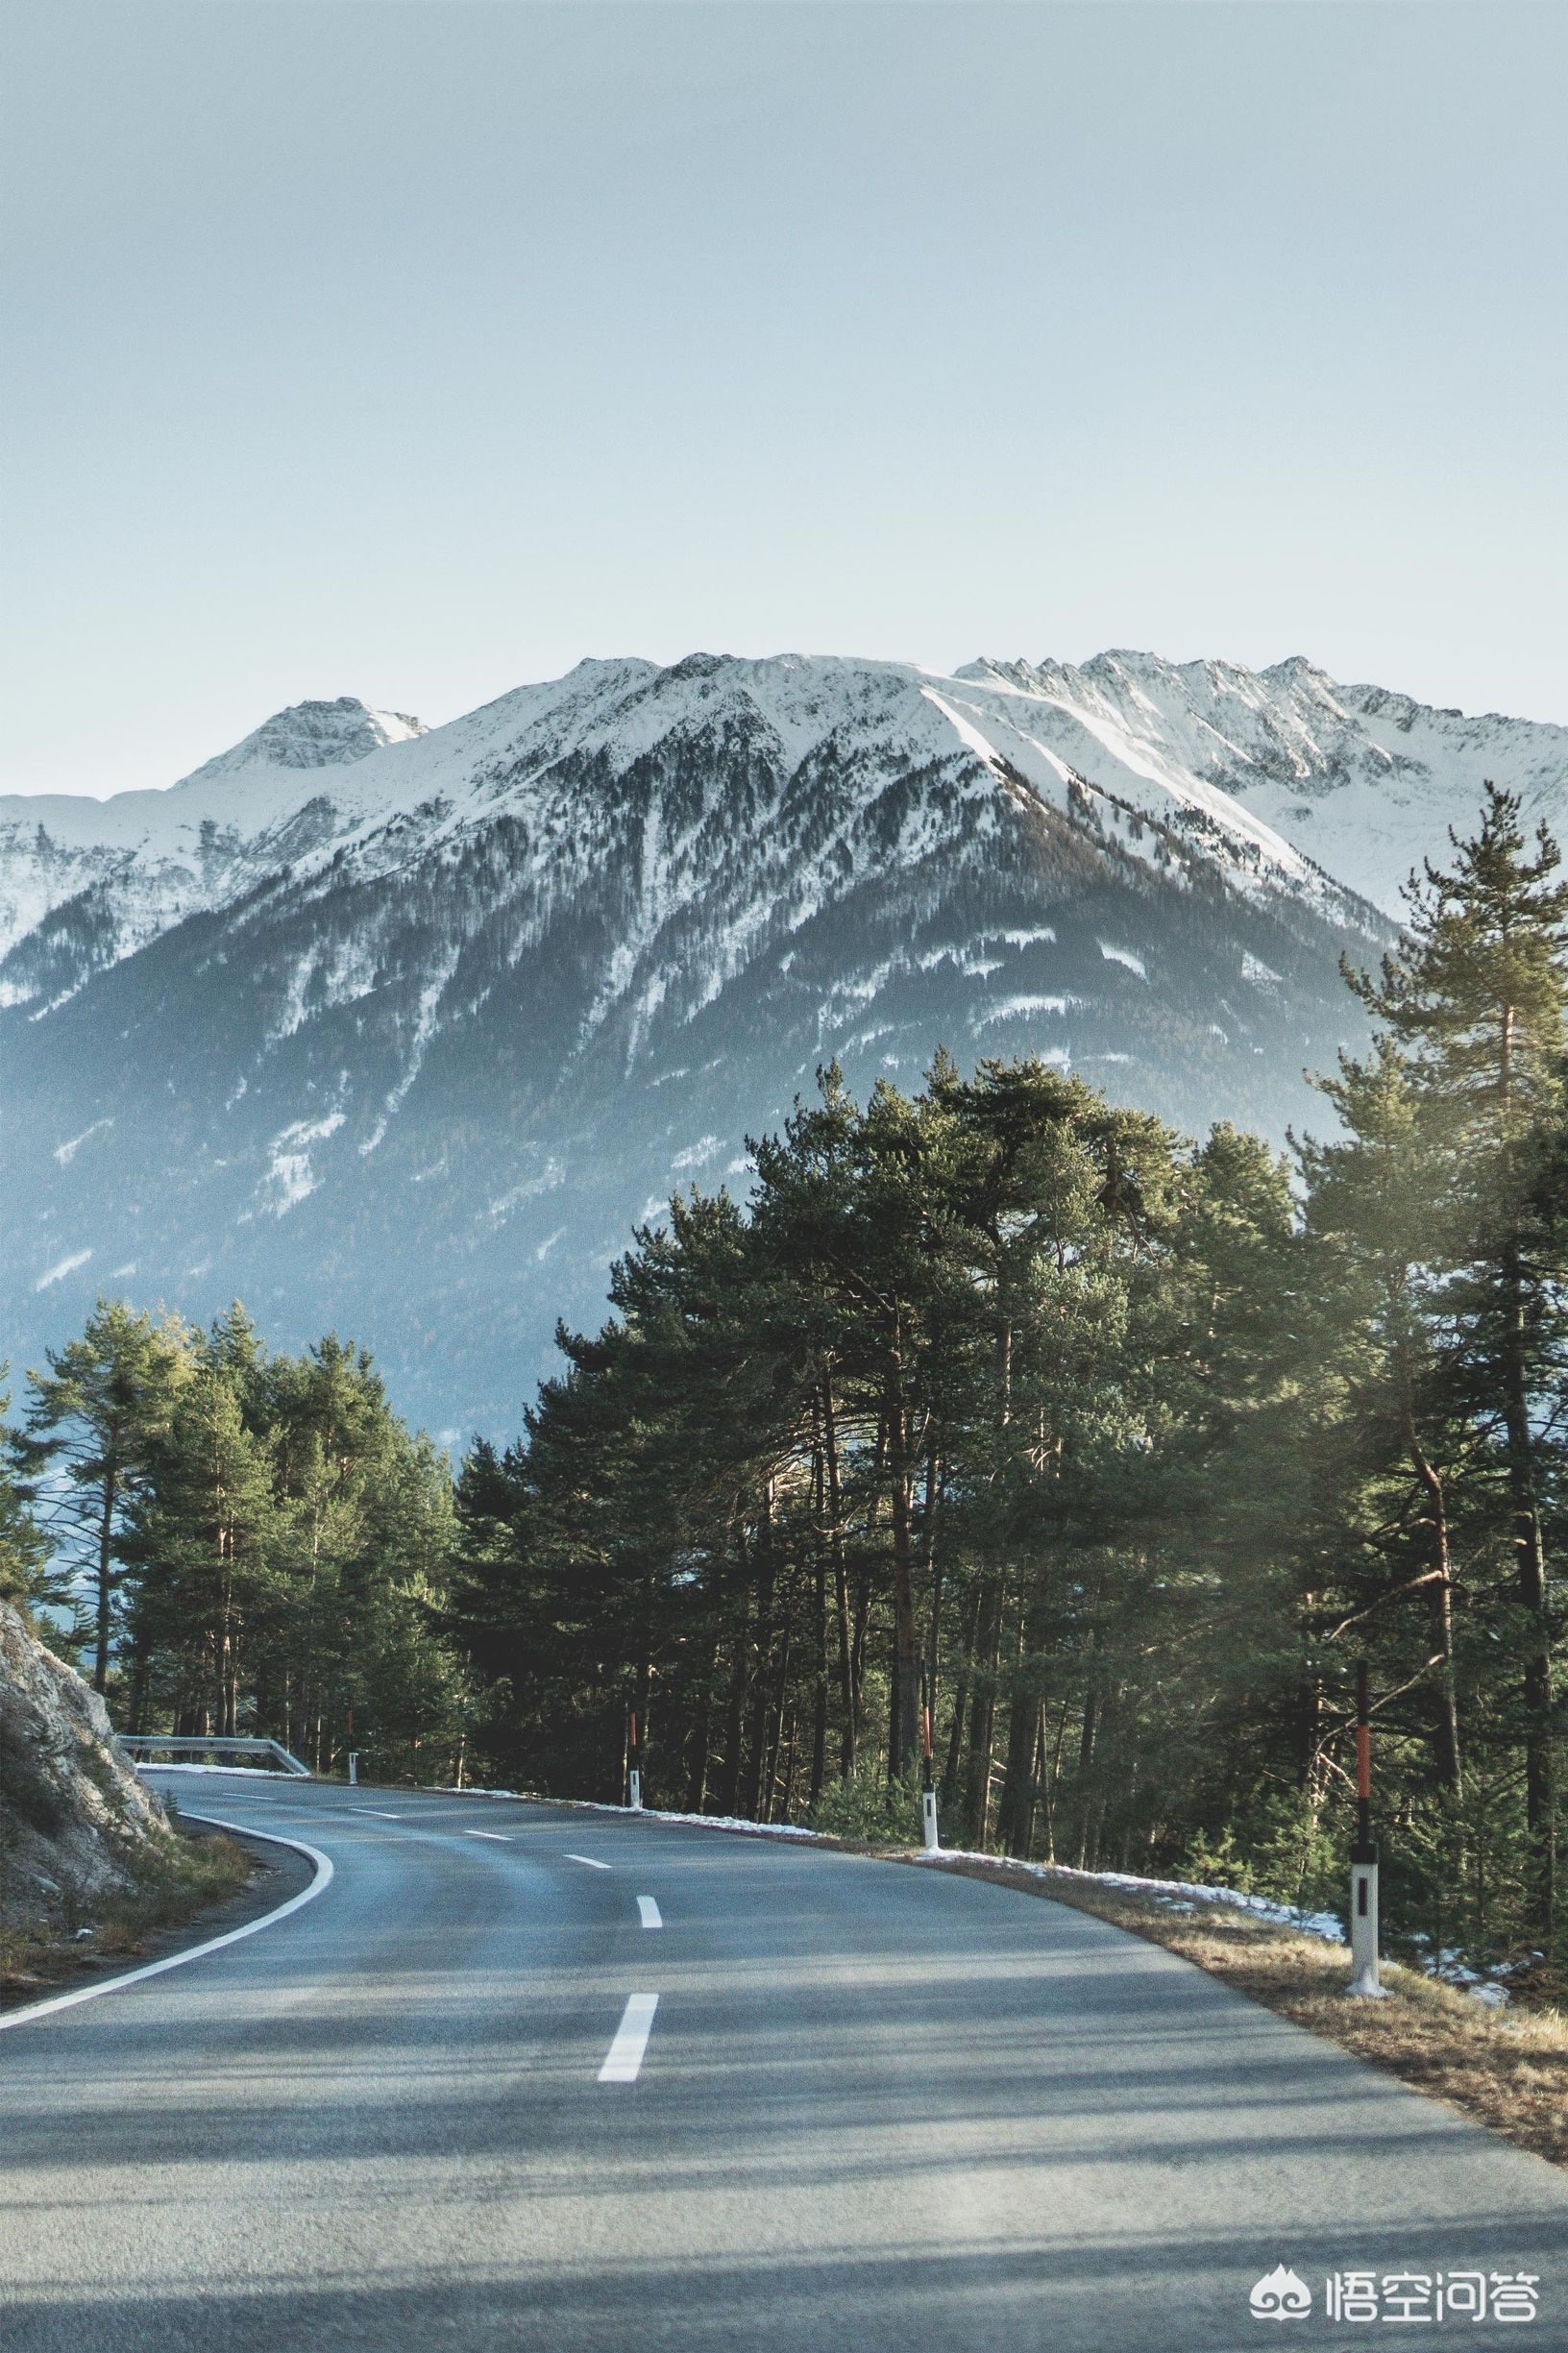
(874, 2108)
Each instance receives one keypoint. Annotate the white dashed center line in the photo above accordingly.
(379, 1811)
(592, 1861)
(625, 2055)
(648, 1911)
(498, 1834)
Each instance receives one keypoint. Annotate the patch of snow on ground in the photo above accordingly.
(1124, 955)
(1321, 1924)
(1018, 1008)
(429, 998)
(290, 1178)
(65, 1266)
(66, 1153)
(552, 1173)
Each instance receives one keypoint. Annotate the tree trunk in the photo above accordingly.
(753, 1783)
(105, 1557)
(983, 1711)
(1085, 1761)
(1015, 1813)
(849, 1681)
(1440, 1593)
(1053, 1777)
(729, 1777)
(961, 1701)
(819, 1689)
(1530, 1556)
(905, 1742)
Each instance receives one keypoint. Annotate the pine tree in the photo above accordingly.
(200, 1539)
(1476, 996)
(22, 1548)
(94, 1418)
(1386, 1232)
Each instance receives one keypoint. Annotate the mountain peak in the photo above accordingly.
(315, 735)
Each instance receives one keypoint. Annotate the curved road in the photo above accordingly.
(874, 2108)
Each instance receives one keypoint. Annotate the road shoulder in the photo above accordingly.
(1504, 2068)
(66, 1964)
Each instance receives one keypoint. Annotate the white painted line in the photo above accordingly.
(625, 2055)
(215, 1944)
(650, 1912)
(592, 1862)
(379, 1811)
(497, 1834)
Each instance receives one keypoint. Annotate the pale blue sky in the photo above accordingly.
(415, 350)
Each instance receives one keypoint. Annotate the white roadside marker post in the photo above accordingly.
(928, 1791)
(634, 1768)
(354, 1768)
(1363, 1858)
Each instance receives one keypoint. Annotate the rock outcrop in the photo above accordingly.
(76, 1823)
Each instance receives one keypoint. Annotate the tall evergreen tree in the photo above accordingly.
(94, 1418)
(1476, 996)
(202, 1538)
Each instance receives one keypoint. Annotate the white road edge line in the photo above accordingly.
(215, 1944)
(592, 1861)
(501, 1834)
(649, 1912)
(625, 2055)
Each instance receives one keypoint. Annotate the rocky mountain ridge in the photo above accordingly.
(409, 1038)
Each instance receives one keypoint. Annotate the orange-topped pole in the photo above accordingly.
(1363, 1855)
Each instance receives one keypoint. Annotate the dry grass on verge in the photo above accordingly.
(42, 1956)
(1507, 2068)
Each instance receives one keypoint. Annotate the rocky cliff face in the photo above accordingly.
(76, 1823)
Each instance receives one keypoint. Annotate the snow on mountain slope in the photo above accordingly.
(440, 1022)
(1284, 778)
(1365, 782)
(84, 882)
(399, 1031)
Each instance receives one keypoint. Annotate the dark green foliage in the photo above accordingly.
(265, 1542)
(23, 1551)
(95, 1415)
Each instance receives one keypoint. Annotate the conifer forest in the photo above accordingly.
(1125, 1450)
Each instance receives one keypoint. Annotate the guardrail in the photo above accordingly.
(144, 1744)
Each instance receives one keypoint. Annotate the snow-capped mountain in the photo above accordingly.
(399, 1031)
(85, 882)
(1363, 781)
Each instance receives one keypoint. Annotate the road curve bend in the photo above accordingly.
(587, 2083)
